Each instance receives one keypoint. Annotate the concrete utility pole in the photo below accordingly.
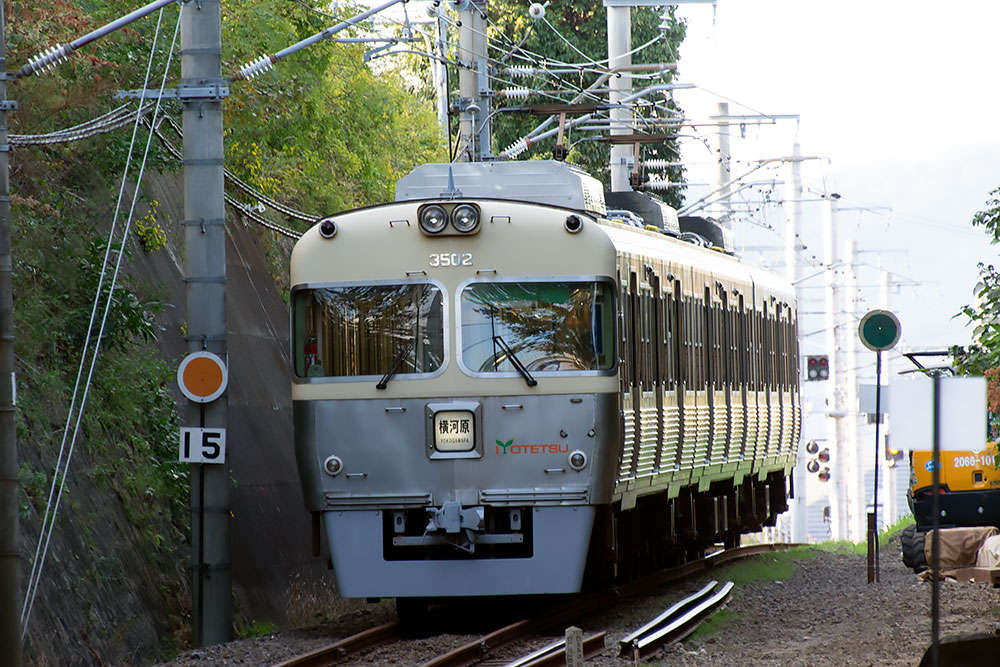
(205, 275)
(725, 166)
(857, 493)
(10, 558)
(891, 511)
(474, 136)
(793, 221)
(834, 407)
(620, 87)
(439, 67)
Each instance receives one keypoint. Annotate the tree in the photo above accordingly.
(984, 316)
(520, 40)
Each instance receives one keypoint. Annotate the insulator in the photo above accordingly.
(659, 164)
(536, 11)
(46, 59)
(259, 66)
(516, 93)
(657, 184)
(521, 70)
(516, 148)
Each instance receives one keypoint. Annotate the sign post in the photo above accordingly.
(879, 330)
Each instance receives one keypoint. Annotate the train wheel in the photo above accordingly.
(413, 616)
(912, 543)
(732, 539)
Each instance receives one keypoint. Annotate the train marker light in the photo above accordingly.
(465, 217)
(812, 466)
(812, 447)
(333, 465)
(328, 229)
(577, 460)
(824, 475)
(817, 368)
(824, 456)
(573, 224)
(433, 219)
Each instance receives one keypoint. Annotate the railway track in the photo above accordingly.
(555, 619)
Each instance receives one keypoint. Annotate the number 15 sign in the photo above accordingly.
(203, 445)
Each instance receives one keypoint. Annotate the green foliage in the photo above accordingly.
(256, 629)
(714, 623)
(151, 236)
(583, 23)
(321, 130)
(984, 316)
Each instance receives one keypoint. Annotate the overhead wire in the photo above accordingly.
(62, 469)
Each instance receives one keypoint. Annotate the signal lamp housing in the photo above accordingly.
(812, 466)
(824, 456)
(433, 219)
(464, 218)
(812, 447)
(328, 228)
(577, 460)
(573, 224)
(824, 475)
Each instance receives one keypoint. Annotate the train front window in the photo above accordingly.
(367, 330)
(548, 326)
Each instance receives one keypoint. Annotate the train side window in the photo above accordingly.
(667, 340)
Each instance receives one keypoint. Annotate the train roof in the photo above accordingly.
(538, 181)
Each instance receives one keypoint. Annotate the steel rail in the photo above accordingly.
(330, 655)
(676, 623)
(478, 649)
(555, 653)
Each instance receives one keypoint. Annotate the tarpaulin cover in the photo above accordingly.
(960, 548)
(989, 553)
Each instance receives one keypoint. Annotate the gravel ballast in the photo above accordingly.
(808, 607)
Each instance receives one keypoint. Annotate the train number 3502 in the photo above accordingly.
(451, 259)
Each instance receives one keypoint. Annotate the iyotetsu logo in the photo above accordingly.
(510, 448)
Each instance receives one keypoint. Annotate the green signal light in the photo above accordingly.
(879, 330)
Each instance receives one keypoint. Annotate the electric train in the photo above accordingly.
(502, 387)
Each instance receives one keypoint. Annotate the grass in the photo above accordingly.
(256, 629)
(774, 566)
(844, 547)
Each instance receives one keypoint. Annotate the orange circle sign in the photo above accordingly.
(202, 377)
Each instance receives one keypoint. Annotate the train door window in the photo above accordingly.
(667, 342)
(633, 330)
(367, 330)
(659, 342)
(625, 320)
(742, 344)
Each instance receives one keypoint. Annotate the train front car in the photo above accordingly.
(455, 386)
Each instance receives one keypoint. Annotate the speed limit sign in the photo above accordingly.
(203, 445)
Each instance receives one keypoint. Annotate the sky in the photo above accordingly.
(891, 95)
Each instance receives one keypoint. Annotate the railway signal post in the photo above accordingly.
(201, 91)
(879, 330)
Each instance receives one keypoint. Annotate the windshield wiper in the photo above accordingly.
(515, 361)
(384, 382)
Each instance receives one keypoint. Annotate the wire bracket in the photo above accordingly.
(207, 90)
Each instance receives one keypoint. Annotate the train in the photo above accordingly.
(501, 386)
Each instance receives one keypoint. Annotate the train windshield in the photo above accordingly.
(549, 326)
(368, 330)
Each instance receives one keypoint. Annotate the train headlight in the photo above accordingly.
(465, 217)
(454, 431)
(433, 219)
(577, 460)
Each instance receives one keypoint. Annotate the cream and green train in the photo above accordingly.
(498, 388)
